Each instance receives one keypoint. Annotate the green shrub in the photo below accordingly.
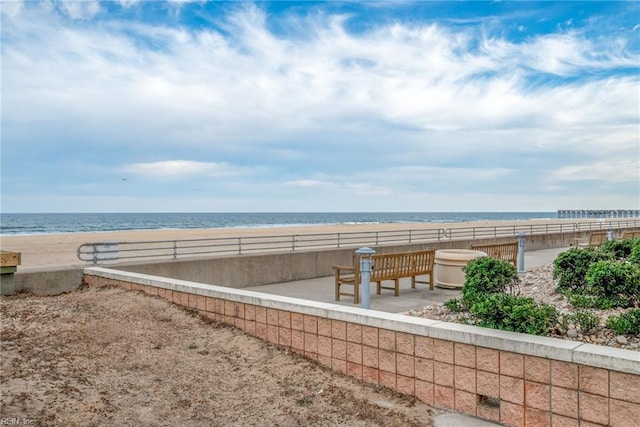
(634, 256)
(614, 281)
(584, 320)
(513, 313)
(619, 249)
(486, 275)
(626, 323)
(570, 267)
(454, 305)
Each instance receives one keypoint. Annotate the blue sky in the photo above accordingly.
(132, 106)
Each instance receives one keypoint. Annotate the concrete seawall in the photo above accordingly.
(241, 271)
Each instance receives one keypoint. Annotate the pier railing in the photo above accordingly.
(112, 252)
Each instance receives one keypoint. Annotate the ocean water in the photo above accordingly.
(42, 223)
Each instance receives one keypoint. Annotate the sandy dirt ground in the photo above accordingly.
(97, 357)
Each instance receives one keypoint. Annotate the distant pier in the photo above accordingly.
(589, 213)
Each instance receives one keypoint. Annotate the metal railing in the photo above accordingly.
(111, 252)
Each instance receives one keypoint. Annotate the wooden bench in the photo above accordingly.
(392, 266)
(596, 240)
(630, 234)
(505, 251)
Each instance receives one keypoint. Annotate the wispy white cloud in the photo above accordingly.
(318, 106)
(182, 168)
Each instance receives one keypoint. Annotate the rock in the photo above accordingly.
(572, 333)
(621, 339)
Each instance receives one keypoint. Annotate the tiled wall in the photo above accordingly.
(509, 387)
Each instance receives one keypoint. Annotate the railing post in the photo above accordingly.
(521, 252)
(95, 254)
(293, 243)
(239, 245)
(338, 240)
(175, 249)
(365, 274)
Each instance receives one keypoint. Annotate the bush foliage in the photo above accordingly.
(570, 267)
(486, 275)
(626, 323)
(514, 313)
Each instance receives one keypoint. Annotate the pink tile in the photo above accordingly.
(297, 340)
(387, 379)
(424, 391)
(370, 375)
(261, 314)
(311, 343)
(424, 347)
(511, 414)
(537, 395)
(387, 339)
(354, 333)
(443, 374)
(624, 386)
(594, 380)
(405, 365)
(354, 353)
(405, 343)
(324, 346)
(488, 359)
(272, 316)
(564, 374)
(284, 337)
(405, 385)
(562, 421)
(249, 312)
(443, 351)
(370, 336)
(354, 370)
(297, 321)
(465, 355)
(387, 361)
(465, 379)
(324, 327)
(488, 384)
(339, 330)
(623, 413)
(564, 401)
(443, 396)
(593, 408)
(537, 369)
(338, 349)
(370, 357)
(424, 369)
(466, 402)
(512, 389)
(536, 417)
(511, 364)
(310, 324)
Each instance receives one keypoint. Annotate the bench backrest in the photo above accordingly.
(401, 264)
(630, 234)
(504, 251)
(597, 239)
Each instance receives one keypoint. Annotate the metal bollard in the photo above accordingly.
(365, 273)
(521, 252)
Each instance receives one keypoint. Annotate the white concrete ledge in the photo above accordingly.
(552, 348)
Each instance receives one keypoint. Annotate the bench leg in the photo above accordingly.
(378, 287)
(337, 289)
(413, 282)
(356, 293)
(397, 287)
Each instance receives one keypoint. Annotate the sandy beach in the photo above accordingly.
(58, 250)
